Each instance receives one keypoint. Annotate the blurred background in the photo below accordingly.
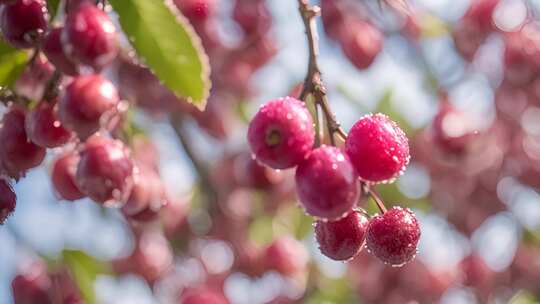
(460, 77)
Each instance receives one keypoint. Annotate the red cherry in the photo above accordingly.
(90, 36)
(17, 152)
(8, 200)
(43, 127)
(151, 258)
(250, 173)
(32, 285)
(63, 176)
(333, 18)
(71, 5)
(481, 13)
(468, 37)
(281, 134)
(343, 239)
(253, 16)
(378, 148)
(105, 171)
(393, 236)
(286, 255)
(52, 47)
(23, 22)
(34, 79)
(361, 42)
(197, 10)
(202, 295)
(326, 183)
(451, 130)
(147, 196)
(85, 101)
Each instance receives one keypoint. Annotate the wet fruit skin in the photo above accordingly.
(52, 47)
(17, 152)
(393, 237)
(378, 148)
(8, 200)
(105, 171)
(326, 183)
(63, 176)
(341, 240)
(23, 22)
(84, 102)
(43, 127)
(90, 36)
(281, 133)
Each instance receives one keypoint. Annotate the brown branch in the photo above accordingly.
(313, 84)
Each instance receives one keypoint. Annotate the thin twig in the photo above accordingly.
(51, 89)
(377, 198)
(313, 84)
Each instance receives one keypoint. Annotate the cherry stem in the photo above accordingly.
(376, 197)
(313, 84)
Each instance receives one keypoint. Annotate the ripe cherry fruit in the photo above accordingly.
(17, 152)
(84, 103)
(23, 22)
(52, 47)
(8, 200)
(33, 81)
(147, 196)
(326, 183)
(43, 127)
(393, 237)
(343, 239)
(378, 148)
(90, 36)
(281, 134)
(250, 173)
(286, 255)
(32, 285)
(361, 42)
(196, 10)
(63, 176)
(202, 295)
(105, 171)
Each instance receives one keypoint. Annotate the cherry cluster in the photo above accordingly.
(282, 136)
(62, 102)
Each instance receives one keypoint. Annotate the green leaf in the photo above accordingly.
(52, 7)
(12, 63)
(85, 269)
(168, 45)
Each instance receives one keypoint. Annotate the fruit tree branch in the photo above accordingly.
(313, 84)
